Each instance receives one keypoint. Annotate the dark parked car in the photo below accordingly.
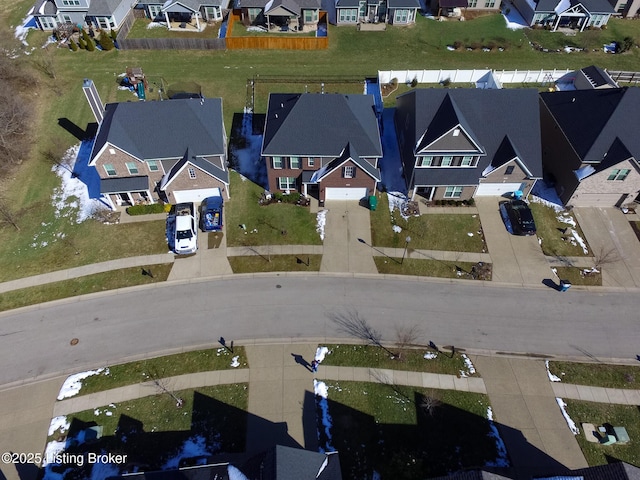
(517, 217)
(211, 214)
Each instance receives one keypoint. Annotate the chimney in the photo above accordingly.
(91, 92)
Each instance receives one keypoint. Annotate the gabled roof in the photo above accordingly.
(410, 3)
(294, 6)
(313, 124)
(104, 7)
(156, 130)
(598, 123)
(492, 116)
(349, 153)
(597, 77)
(201, 163)
(559, 6)
(44, 7)
(287, 463)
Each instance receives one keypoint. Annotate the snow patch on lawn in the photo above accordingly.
(470, 368)
(430, 355)
(321, 352)
(235, 361)
(59, 423)
(321, 221)
(570, 423)
(73, 383)
(551, 376)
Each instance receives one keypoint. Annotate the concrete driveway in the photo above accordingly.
(608, 230)
(346, 222)
(515, 259)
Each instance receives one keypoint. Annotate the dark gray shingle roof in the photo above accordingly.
(592, 6)
(492, 116)
(104, 7)
(312, 124)
(199, 162)
(287, 463)
(124, 184)
(153, 130)
(593, 119)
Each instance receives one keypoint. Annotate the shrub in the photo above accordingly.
(106, 42)
(91, 46)
(414, 82)
(73, 45)
(146, 209)
(81, 43)
(458, 203)
(457, 44)
(293, 197)
(471, 202)
(114, 35)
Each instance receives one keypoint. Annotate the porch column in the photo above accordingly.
(150, 197)
(130, 197)
(198, 21)
(304, 189)
(555, 27)
(584, 22)
(166, 17)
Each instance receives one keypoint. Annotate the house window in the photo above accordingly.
(110, 170)
(618, 174)
(467, 160)
(401, 16)
(311, 162)
(490, 4)
(132, 167)
(294, 162)
(48, 23)
(348, 15)
(105, 22)
(509, 170)
(349, 171)
(453, 192)
(287, 183)
(153, 165)
(621, 7)
(446, 161)
(456, 132)
(192, 173)
(66, 19)
(426, 161)
(310, 16)
(254, 13)
(473, 3)
(212, 13)
(277, 162)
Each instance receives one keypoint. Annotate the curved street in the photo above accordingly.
(138, 322)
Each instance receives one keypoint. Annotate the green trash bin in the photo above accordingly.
(373, 202)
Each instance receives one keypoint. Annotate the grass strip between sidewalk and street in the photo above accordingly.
(597, 374)
(218, 358)
(412, 359)
(99, 282)
(425, 267)
(275, 263)
(576, 276)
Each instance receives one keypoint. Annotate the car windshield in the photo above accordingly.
(183, 234)
(523, 212)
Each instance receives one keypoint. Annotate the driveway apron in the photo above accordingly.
(608, 229)
(536, 435)
(515, 259)
(206, 262)
(347, 238)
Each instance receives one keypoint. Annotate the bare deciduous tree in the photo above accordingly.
(14, 121)
(429, 402)
(162, 385)
(356, 326)
(605, 256)
(45, 62)
(407, 336)
(7, 215)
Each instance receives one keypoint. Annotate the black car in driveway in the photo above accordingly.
(517, 217)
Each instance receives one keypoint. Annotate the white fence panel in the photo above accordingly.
(471, 76)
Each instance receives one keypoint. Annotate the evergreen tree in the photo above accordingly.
(73, 45)
(106, 42)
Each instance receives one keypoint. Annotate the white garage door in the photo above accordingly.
(195, 196)
(496, 189)
(335, 193)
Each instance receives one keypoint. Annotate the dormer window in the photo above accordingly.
(456, 132)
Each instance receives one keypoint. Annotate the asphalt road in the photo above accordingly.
(35, 342)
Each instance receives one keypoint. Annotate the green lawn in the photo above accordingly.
(412, 359)
(274, 224)
(554, 242)
(386, 428)
(98, 282)
(450, 232)
(616, 415)
(151, 430)
(576, 276)
(218, 358)
(426, 267)
(597, 375)
(275, 263)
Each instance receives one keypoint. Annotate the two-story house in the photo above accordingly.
(323, 145)
(461, 143)
(174, 151)
(576, 14)
(591, 145)
(351, 12)
(104, 14)
(292, 14)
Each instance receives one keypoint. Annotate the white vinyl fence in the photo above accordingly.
(472, 76)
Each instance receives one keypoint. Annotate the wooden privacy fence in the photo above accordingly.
(284, 42)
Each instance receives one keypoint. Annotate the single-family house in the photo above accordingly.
(286, 14)
(591, 145)
(463, 143)
(576, 14)
(351, 12)
(194, 12)
(172, 151)
(452, 8)
(323, 145)
(104, 14)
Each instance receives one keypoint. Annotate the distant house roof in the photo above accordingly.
(503, 124)
(295, 6)
(199, 162)
(287, 463)
(453, 3)
(559, 6)
(601, 125)
(124, 184)
(313, 124)
(597, 77)
(157, 130)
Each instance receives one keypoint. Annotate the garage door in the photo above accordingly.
(335, 193)
(196, 195)
(496, 189)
